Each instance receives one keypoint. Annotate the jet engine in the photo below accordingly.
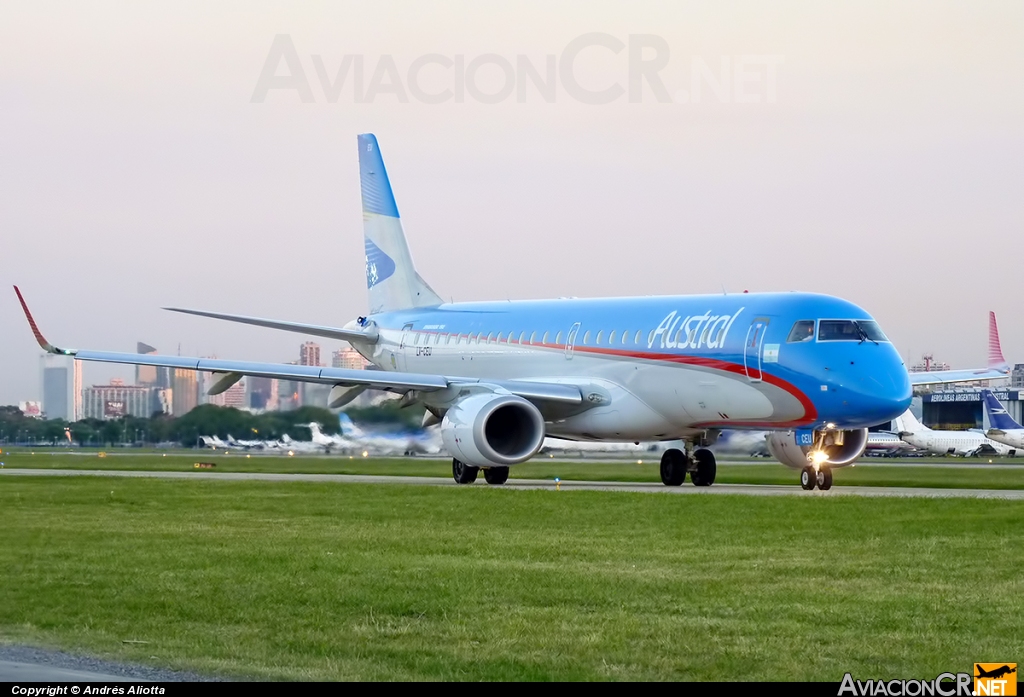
(492, 430)
(836, 448)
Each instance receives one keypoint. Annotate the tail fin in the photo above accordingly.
(908, 423)
(997, 416)
(995, 350)
(391, 278)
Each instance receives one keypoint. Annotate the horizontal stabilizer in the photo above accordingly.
(368, 336)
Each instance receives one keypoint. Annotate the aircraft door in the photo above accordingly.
(403, 347)
(570, 340)
(752, 348)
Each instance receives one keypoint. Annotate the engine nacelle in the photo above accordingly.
(841, 447)
(488, 430)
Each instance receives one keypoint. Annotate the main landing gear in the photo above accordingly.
(675, 464)
(821, 478)
(467, 474)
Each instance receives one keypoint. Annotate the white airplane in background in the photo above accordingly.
(961, 443)
(1002, 428)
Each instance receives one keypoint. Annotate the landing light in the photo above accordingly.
(818, 457)
(365, 454)
(830, 426)
(290, 453)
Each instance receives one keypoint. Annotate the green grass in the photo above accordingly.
(327, 581)
(869, 472)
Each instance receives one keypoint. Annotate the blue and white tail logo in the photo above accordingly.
(379, 266)
(997, 415)
(391, 278)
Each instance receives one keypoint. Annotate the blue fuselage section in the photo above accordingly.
(765, 360)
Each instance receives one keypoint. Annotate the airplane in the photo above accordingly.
(499, 377)
(961, 443)
(1003, 429)
(888, 444)
(995, 672)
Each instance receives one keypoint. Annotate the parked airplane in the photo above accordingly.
(962, 443)
(887, 444)
(1002, 428)
(815, 370)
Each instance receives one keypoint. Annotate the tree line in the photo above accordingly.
(204, 420)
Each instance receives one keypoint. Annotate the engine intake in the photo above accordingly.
(486, 430)
(840, 447)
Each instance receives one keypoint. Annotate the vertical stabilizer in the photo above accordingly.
(907, 423)
(997, 417)
(391, 278)
(995, 350)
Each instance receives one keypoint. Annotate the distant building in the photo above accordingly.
(185, 388)
(116, 400)
(1017, 375)
(928, 364)
(309, 354)
(145, 374)
(76, 390)
(57, 375)
(349, 359)
(263, 393)
(234, 396)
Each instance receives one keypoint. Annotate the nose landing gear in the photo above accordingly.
(821, 478)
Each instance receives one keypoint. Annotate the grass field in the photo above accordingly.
(327, 581)
(869, 472)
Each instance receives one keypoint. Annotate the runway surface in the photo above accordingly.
(645, 487)
(28, 664)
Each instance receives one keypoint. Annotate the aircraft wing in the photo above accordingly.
(936, 377)
(550, 397)
(368, 335)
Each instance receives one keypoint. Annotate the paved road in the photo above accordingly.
(649, 487)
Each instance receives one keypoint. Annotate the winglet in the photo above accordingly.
(995, 350)
(46, 345)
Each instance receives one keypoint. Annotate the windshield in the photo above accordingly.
(849, 330)
(803, 330)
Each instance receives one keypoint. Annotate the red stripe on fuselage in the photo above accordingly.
(810, 412)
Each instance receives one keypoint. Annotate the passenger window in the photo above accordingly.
(650, 338)
(625, 337)
(472, 338)
(611, 337)
(586, 337)
(597, 339)
(558, 338)
(803, 330)
(499, 337)
(545, 339)
(522, 335)
(490, 337)
(636, 339)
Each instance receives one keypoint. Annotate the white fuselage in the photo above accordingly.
(1013, 438)
(962, 443)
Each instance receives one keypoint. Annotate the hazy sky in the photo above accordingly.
(884, 164)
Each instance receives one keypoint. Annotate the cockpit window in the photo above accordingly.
(802, 331)
(849, 330)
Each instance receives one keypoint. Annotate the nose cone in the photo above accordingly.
(887, 393)
(871, 387)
